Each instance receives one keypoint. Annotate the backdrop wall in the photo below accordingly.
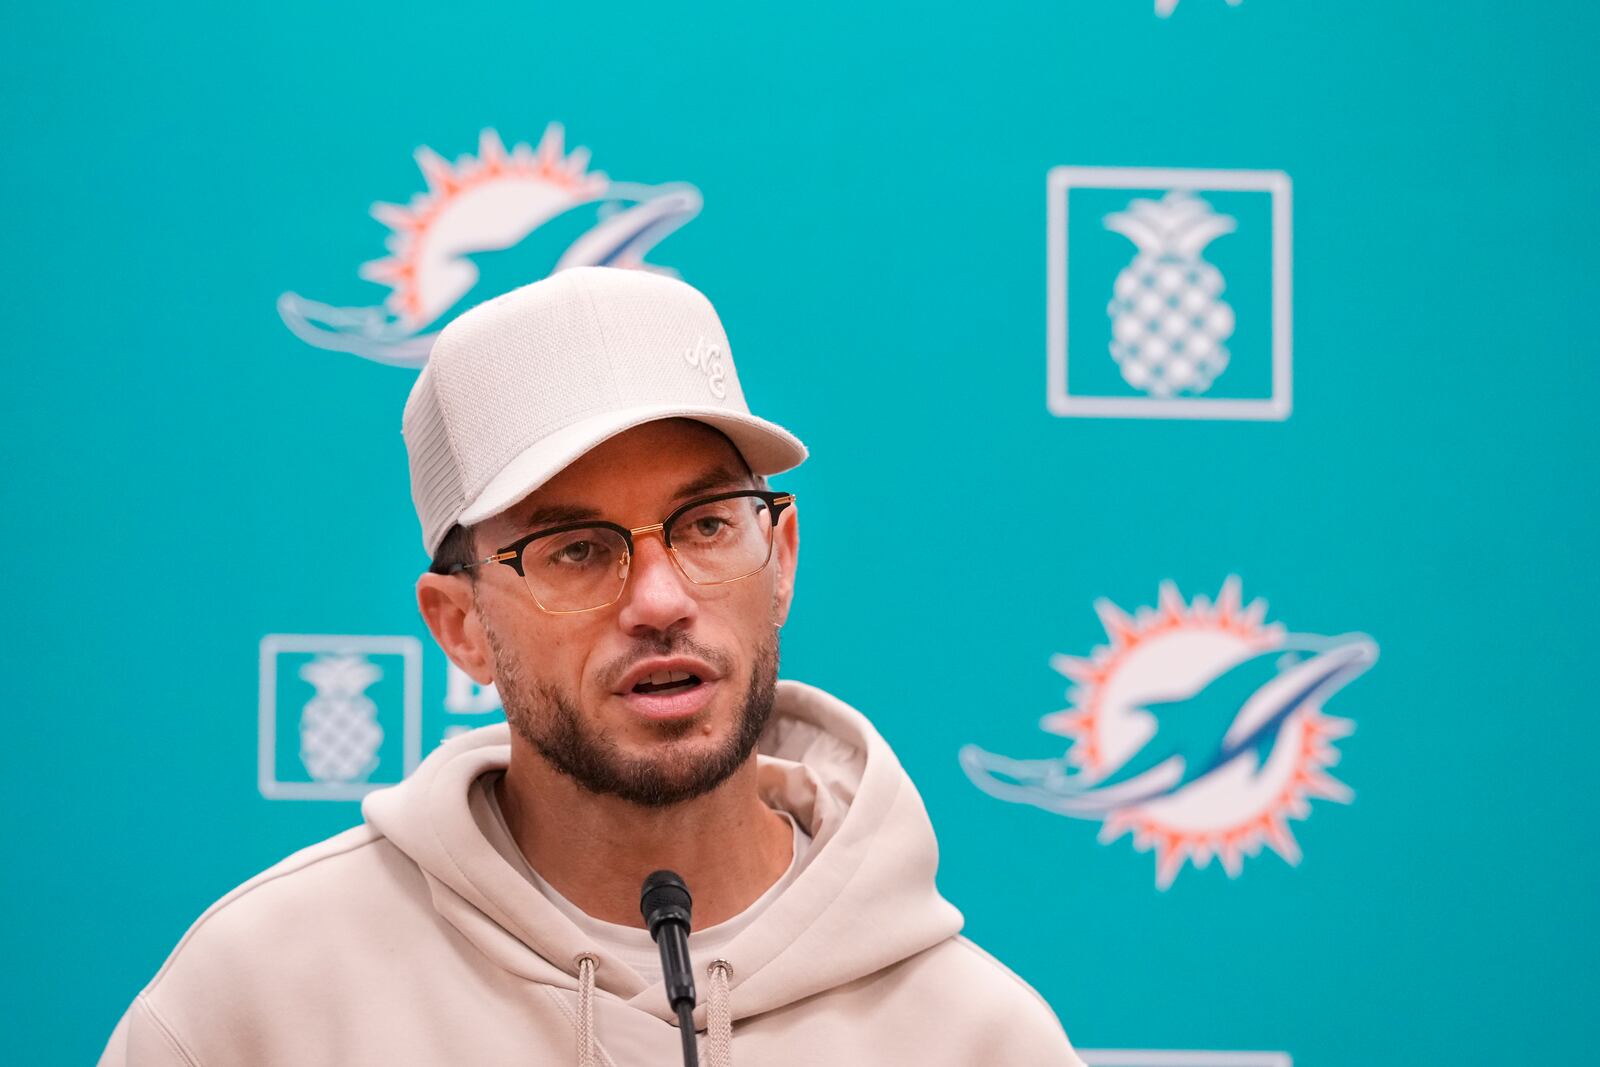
(1200, 380)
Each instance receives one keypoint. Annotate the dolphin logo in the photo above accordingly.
(475, 208)
(1236, 715)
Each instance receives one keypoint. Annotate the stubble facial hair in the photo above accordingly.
(549, 719)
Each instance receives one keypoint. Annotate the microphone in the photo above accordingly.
(664, 902)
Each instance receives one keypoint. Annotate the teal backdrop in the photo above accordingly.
(186, 476)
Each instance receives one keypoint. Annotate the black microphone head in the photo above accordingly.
(664, 898)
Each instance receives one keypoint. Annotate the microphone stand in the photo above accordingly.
(664, 902)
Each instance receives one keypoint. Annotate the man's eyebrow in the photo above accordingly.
(716, 478)
(557, 515)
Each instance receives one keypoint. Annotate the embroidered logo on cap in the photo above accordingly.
(708, 358)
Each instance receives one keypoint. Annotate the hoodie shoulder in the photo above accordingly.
(268, 890)
(1025, 1027)
(278, 947)
(291, 919)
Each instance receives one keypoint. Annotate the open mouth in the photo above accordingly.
(668, 682)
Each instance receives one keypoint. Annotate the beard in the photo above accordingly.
(548, 718)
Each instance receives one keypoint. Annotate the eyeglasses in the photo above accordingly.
(583, 566)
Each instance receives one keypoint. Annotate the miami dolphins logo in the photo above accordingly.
(479, 207)
(1199, 729)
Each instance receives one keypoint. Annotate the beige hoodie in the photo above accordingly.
(411, 940)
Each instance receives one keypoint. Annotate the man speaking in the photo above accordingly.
(606, 551)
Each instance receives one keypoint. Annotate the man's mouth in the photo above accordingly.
(669, 688)
(667, 682)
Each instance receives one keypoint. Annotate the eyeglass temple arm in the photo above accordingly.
(498, 557)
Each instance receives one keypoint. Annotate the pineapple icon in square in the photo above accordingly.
(339, 714)
(1169, 323)
(1169, 293)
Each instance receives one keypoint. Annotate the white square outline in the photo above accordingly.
(1058, 182)
(274, 645)
(1120, 1057)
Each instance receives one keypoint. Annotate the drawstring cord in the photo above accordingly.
(719, 1017)
(719, 1014)
(587, 1056)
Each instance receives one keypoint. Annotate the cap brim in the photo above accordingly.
(766, 447)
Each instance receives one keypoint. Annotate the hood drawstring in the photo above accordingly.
(719, 1017)
(587, 1055)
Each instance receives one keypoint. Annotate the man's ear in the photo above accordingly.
(786, 557)
(449, 609)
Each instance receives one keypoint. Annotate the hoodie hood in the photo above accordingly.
(865, 899)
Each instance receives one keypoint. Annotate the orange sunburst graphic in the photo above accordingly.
(488, 201)
(1197, 728)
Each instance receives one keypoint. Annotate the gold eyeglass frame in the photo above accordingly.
(511, 555)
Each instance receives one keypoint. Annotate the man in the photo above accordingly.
(588, 478)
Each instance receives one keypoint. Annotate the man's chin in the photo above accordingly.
(658, 761)
(678, 763)
(708, 735)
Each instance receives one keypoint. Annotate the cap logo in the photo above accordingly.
(708, 359)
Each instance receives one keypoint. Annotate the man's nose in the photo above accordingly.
(657, 597)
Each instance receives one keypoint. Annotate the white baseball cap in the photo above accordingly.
(523, 384)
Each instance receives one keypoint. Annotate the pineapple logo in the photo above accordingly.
(1198, 728)
(473, 213)
(1177, 349)
(339, 732)
(1168, 319)
(360, 728)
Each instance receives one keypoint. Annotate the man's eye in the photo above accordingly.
(708, 526)
(575, 553)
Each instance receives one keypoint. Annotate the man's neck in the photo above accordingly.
(597, 850)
